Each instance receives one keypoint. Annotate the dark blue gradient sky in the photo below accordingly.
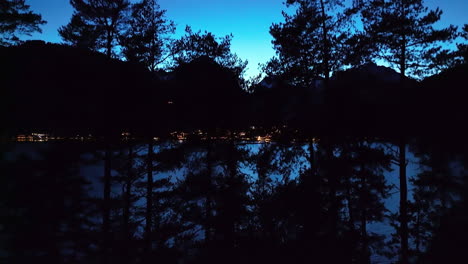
(247, 20)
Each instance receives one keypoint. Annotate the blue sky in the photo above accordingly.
(247, 20)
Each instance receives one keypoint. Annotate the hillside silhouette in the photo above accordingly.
(60, 88)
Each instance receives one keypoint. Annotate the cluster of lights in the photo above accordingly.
(125, 135)
(34, 137)
(266, 139)
(181, 136)
(41, 137)
(178, 135)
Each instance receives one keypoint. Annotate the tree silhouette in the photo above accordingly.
(405, 35)
(437, 188)
(463, 48)
(280, 190)
(149, 197)
(194, 45)
(391, 26)
(106, 243)
(129, 172)
(160, 206)
(146, 38)
(442, 185)
(16, 18)
(95, 23)
(367, 191)
(196, 190)
(44, 210)
(308, 43)
(80, 34)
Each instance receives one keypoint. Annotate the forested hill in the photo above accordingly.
(67, 90)
(54, 86)
(445, 96)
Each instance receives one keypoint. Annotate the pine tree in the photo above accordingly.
(96, 23)
(310, 44)
(16, 19)
(126, 165)
(437, 189)
(196, 188)
(149, 199)
(44, 206)
(160, 204)
(80, 34)
(146, 38)
(107, 204)
(463, 48)
(405, 35)
(368, 189)
(230, 198)
(194, 45)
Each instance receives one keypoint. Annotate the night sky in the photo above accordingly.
(247, 20)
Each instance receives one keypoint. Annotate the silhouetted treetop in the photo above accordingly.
(16, 19)
(146, 36)
(309, 42)
(463, 47)
(78, 33)
(197, 44)
(98, 24)
(405, 35)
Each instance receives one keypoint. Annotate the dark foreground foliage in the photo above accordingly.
(208, 201)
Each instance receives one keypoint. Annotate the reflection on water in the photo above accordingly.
(90, 165)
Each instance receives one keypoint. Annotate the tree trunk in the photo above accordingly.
(106, 202)
(127, 196)
(333, 186)
(402, 156)
(312, 213)
(126, 236)
(109, 44)
(417, 239)
(365, 258)
(232, 199)
(326, 48)
(209, 167)
(403, 203)
(149, 197)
